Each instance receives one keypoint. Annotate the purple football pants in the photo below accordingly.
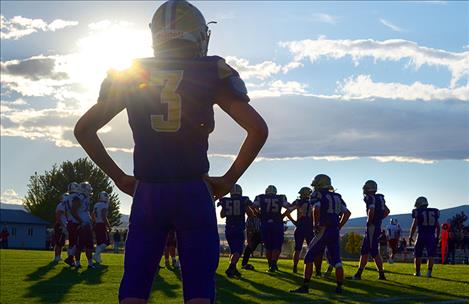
(157, 208)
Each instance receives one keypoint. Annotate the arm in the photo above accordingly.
(344, 218)
(222, 213)
(371, 214)
(257, 133)
(86, 134)
(412, 231)
(74, 210)
(386, 211)
(316, 213)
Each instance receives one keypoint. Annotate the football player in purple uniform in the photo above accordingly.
(270, 207)
(426, 219)
(169, 99)
(376, 211)
(234, 209)
(60, 227)
(101, 225)
(330, 214)
(304, 223)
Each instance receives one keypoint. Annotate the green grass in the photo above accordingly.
(30, 277)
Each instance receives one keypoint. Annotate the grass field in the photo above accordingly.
(30, 277)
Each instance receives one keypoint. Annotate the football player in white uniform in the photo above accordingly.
(101, 224)
(80, 210)
(73, 198)
(60, 227)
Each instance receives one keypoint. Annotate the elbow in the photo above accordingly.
(82, 130)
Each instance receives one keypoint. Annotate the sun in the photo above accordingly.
(111, 48)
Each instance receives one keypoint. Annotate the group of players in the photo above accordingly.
(321, 213)
(73, 218)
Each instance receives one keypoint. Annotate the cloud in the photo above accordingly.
(325, 18)
(278, 88)
(363, 87)
(390, 25)
(400, 159)
(18, 26)
(387, 50)
(10, 196)
(261, 70)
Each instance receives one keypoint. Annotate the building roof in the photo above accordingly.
(20, 217)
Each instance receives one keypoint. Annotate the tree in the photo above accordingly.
(44, 191)
(351, 243)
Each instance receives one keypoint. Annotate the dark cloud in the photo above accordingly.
(33, 68)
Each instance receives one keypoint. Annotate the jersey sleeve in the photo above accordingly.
(257, 202)
(230, 83)
(113, 87)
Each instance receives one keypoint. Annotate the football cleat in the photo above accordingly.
(91, 267)
(429, 274)
(271, 269)
(237, 274)
(97, 258)
(302, 289)
(417, 274)
(69, 261)
(248, 267)
(338, 289)
(382, 277)
(230, 273)
(356, 277)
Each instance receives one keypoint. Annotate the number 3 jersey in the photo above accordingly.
(427, 219)
(170, 111)
(235, 210)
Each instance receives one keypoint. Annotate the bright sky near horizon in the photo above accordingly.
(356, 90)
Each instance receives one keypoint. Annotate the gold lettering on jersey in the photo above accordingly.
(169, 83)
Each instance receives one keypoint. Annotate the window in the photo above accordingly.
(30, 231)
(13, 231)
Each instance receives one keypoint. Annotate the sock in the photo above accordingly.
(247, 254)
(330, 268)
(359, 271)
(231, 267)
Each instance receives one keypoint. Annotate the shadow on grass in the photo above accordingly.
(160, 284)
(40, 272)
(54, 289)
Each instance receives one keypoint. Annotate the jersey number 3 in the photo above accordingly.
(168, 81)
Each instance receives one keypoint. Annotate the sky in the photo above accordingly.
(355, 90)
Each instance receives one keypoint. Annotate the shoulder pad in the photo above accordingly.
(224, 70)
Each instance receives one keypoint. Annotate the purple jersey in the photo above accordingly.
(331, 206)
(235, 210)
(271, 207)
(304, 211)
(427, 219)
(376, 202)
(170, 110)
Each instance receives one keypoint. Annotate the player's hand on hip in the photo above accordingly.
(126, 183)
(220, 185)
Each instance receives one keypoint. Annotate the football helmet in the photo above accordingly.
(421, 202)
(321, 181)
(271, 190)
(236, 190)
(305, 192)
(179, 20)
(370, 186)
(73, 187)
(103, 197)
(86, 188)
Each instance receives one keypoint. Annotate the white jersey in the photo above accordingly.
(84, 209)
(68, 207)
(61, 207)
(393, 231)
(98, 211)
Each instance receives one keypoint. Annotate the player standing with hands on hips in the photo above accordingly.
(169, 100)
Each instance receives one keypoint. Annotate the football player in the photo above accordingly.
(60, 227)
(254, 238)
(170, 250)
(426, 219)
(304, 224)
(394, 231)
(81, 211)
(73, 199)
(330, 214)
(101, 225)
(234, 209)
(169, 99)
(270, 207)
(376, 211)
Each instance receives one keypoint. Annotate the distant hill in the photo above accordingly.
(11, 206)
(405, 220)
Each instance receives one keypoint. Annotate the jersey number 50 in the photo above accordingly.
(169, 83)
